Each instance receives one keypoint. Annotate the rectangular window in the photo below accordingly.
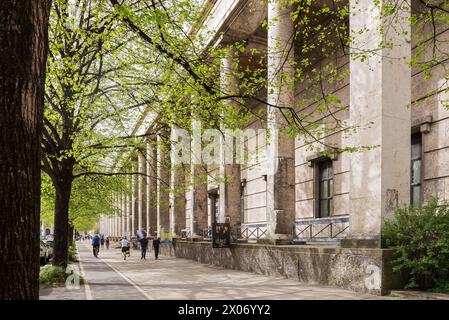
(242, 207)
(214, 197)
(326, 189)
(415, 169)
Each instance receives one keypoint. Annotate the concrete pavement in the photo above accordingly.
(110, 277)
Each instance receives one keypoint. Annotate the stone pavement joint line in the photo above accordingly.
(86, 283)
(170, 278)
(127, 279)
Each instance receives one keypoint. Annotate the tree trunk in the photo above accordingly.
(70, 236)
(23, 54)
(61, 234)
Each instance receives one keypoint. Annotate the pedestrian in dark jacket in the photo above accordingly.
(143, 247)
(156, 243)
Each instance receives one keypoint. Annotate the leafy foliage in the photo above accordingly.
(52, 276)
(420, 237)
(73, 253)
(91, 196)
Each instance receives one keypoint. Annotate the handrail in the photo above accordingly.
(328, 223)
(323, 220)
(185, 233)
(253, 231)
(207, 233)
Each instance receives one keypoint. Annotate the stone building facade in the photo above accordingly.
(339, 228)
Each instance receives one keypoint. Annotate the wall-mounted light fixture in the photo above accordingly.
(243, 183)
(264, 176)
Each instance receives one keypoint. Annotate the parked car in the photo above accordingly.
(44, 253)
(50, 245)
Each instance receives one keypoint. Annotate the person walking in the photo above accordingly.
(96, 245)
(125, 247)
(107, 243)
(156, 243)
(143, 247)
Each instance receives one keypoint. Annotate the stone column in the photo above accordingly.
(113, 218)
(229, 200)
(129, 208)
(177, 193)
(280, 148)
(198, 181)
(117, 216)
(132, 230)
(128, 215)
(142, 165)
(163, 183)
(135, 196)
(123, 220)
(380, 93)
(151, 193)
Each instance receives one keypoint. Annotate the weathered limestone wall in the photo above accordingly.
(430, 99)
(189, 201)
(304, 174)
(353, 269)
(253, 170)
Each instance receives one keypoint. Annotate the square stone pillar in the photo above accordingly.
(198, 182)
(142, 163)
(178, 199)
(128, 215)
(129, 206)
(280, 147)
(229, 186)
(380, 96)
(135, 196)
(151, 194)
(119, 219)
(123, 215)
(163, 182)
(114, 217)
(177, 189)
(117, 215)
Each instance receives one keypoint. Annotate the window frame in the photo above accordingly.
(214, 197)
(416, 136)
(329, 180)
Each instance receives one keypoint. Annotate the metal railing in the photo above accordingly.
(185, 233)
(328, 229)
(207, 233)
(253, 231)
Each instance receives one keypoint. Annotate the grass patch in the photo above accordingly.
(53, 276)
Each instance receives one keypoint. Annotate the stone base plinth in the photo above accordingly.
(360, 243)
(275, 241)
(358, 269)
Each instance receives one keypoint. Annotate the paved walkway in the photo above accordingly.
(110, 277)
